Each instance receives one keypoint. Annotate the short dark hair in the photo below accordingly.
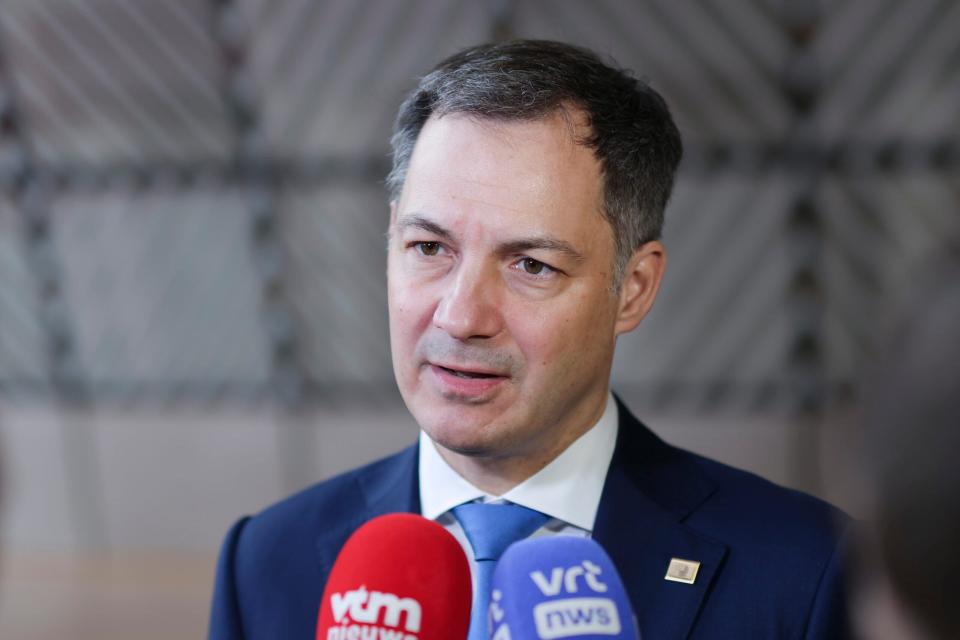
(632, 132)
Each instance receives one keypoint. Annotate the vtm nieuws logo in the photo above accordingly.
(584, 614)
(373, 615)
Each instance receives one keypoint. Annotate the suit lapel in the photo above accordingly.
(650, 488)
(391, 486)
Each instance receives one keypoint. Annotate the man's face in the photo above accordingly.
(502, 319)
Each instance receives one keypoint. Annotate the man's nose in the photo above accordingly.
(469, 307)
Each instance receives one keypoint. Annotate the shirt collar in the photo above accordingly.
(568, 488)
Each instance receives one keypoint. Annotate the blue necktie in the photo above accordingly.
(491, 528)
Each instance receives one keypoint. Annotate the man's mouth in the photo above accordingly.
(462, 373)
(470, 384)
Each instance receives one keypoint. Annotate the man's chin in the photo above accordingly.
(466, 449)
(470, 413)
(462, 437)
(465, 428)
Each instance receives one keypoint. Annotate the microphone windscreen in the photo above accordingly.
(398, 577)
(558, 587)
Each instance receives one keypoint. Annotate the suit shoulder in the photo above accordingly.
(337, 501)
(752, 507)
(273, 565)
(785, 548)
(723, 502)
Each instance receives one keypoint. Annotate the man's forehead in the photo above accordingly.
(509, 181)
(572, 120)
(474, 158)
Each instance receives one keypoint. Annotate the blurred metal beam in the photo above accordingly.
(501, 20)
(249, 161)
(31, 197)
(692, 52)
(296, 442)
(701, 158)
(805, 366)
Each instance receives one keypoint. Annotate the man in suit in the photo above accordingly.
(527, 197)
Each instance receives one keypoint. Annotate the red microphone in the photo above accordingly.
(398, 577)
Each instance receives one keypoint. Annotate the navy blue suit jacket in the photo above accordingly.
(771, 559)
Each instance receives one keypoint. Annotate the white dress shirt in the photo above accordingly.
(568, 489)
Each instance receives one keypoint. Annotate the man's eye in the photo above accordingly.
(534, 267)
(428, 248)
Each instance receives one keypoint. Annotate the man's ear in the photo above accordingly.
(641, 281)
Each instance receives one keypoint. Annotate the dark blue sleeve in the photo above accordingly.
(829, 616)
(225, 621)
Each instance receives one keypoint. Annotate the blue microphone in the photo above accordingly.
(558, 587)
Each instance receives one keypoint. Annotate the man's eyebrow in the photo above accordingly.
(424, 224)
(520, 245)
(545, 243)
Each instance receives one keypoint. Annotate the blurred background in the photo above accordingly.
(192, 291)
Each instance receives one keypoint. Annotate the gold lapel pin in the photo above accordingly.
(684, 571)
